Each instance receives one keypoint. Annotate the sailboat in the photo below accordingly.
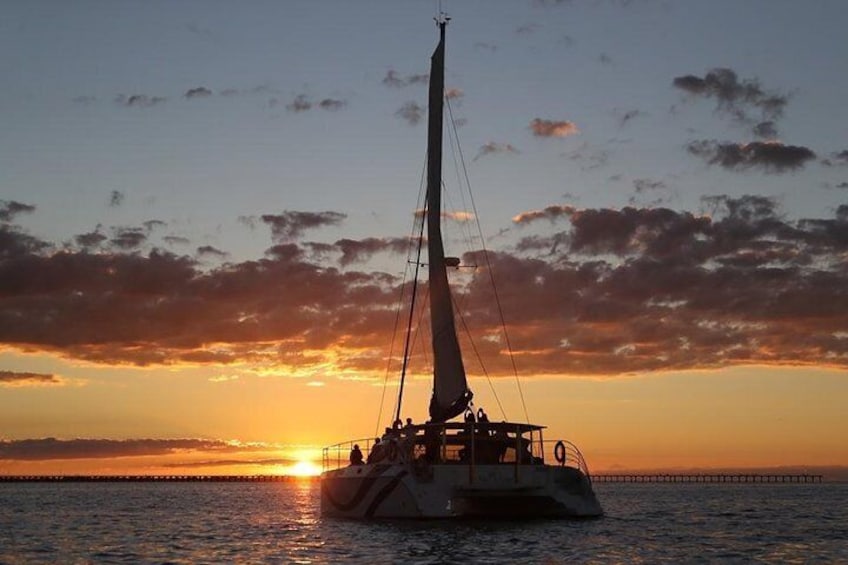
(444, 469)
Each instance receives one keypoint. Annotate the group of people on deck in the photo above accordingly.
(488, 445)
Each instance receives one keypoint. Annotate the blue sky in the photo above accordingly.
(197, 164)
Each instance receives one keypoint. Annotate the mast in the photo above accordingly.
(450, 388)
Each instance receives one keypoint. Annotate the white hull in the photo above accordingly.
(403, 490)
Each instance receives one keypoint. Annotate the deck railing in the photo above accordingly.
(481, 443)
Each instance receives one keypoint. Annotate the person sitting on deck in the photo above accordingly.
(355, 455)
(376, 451)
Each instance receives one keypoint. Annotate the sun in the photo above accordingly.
(304, 468)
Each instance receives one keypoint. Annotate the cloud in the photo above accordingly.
(587, 291)
(771, 157)
(128, 238)
(209, 251)
(550, 213)
(48, 449)
(10, 209)
(765, 130)
(116, 198)
(454, 93)
(527, 29)
(331, 104)
(396, 80)
(626, 116)
(301, 103)
(356, 251)
(176, 240)
(14, 378)
(151, 225)
(836, 158)
(646, 185)
(734, 97)
(494, 147)
(290, 224)
(90, 240)
(411, 112)
(199, 92)
(139, 100)
(550, 128)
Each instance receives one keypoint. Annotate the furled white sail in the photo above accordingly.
(450, 388)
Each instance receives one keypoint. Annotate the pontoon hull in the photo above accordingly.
(454, 490)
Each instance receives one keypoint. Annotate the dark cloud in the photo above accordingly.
(48, 449)
(14, 243)
(733, 96)
(837, 158)
(494, 147)
(301, 103)
(27, 379)
(139, 100)
(396, 80)
(176, 240)
(645, 185)
(10, 209)
(151, 225)
(90, 240)
(331, 104)
(209, 251)
(290, 225)
(199, 92)
(116, 198)
(587, 291)
(357, 251)
(765, 130)
(553, 128)
(626, 116)
(411, 112)
(527, 29)
(769, 156)
(128, 238)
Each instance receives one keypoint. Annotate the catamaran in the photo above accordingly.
(445, 469)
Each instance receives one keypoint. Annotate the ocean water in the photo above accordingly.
(280, 523)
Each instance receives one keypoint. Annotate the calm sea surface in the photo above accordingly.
(280, 523)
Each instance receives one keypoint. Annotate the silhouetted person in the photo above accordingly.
(355, 455)
(376, 451)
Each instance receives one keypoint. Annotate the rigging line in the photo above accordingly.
(398, 309)
(465, 228)
(411, 314)
(491, 273)
(482, 365)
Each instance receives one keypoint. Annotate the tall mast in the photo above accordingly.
(450, 389)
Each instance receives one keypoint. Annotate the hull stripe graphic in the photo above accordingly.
(365, 486)
(384, 493)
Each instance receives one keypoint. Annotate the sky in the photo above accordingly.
(205, 213)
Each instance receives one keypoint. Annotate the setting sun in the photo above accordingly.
(304, 468)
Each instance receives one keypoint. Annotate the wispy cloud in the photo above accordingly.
(494, 147)
(553, 128)
(411, 113)
(16, 378)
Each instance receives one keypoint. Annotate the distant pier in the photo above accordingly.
(153, 478)
(706, 478)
